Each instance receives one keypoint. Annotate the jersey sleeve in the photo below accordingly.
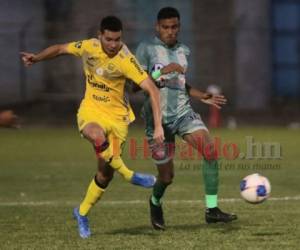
(133, 70)
(187, 51)
(76, 48)
(142, 56)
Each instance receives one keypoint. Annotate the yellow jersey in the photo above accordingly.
(105, 78)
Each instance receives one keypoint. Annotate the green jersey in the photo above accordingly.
(154, 55)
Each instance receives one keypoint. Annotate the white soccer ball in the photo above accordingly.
(255, 188)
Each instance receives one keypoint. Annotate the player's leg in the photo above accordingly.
(97, 187)
(164, 179)
(135, 178)
(103, 146)
(201, 140)
(162, 155)
(94, 193)
(95, 134)
(109, 148)
(117, 139)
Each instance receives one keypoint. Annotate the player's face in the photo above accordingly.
(111, 42)
(168, 30)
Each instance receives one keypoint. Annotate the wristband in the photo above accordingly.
(156, 74)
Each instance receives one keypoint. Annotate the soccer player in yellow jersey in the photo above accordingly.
(104, 113)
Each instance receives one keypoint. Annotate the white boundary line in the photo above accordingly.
(113, 203)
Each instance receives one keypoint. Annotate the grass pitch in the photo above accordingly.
(45, 173)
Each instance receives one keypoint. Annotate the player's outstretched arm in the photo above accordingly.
(153, 92)
(210, 99)
(48, 53)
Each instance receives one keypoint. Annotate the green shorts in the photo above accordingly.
(186, 124)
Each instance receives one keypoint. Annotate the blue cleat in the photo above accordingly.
(144, 180)
(83, 224)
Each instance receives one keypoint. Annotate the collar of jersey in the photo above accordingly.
(160, 42)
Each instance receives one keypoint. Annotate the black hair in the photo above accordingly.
(168, 12)
(111, 23)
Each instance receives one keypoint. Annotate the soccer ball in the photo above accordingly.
(255, 188)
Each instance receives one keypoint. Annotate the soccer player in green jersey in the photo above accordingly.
(165, 58)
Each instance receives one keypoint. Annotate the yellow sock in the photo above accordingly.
(118, 164)
(93, 194)
(112, 155)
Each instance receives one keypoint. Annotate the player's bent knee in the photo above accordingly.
(167, 178)
(161, 156)
(100, 146)
(103, 180)
(93, 131)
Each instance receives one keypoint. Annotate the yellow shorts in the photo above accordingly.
(115, 131)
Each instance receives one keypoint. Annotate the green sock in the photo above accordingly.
(158, 192)
(210, 173)
(211, 201)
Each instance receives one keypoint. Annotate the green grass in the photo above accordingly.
(45, 172)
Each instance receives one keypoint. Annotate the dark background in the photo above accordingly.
(250, 49)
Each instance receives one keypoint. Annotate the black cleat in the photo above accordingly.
(213, 215)
(157, 217)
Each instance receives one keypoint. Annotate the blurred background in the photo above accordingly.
(249, 49)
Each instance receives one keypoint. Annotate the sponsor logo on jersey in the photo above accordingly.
(136, 65)
(92, 58)
(99, 71)
(100, 86)
(78, 45)
(101, 98)
(92, 61)
(90, 64)
(111, 67)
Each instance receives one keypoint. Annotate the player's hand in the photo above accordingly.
(215, 100)
(28, 58)
(9, 119)
(158, 135)
(172, 67)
